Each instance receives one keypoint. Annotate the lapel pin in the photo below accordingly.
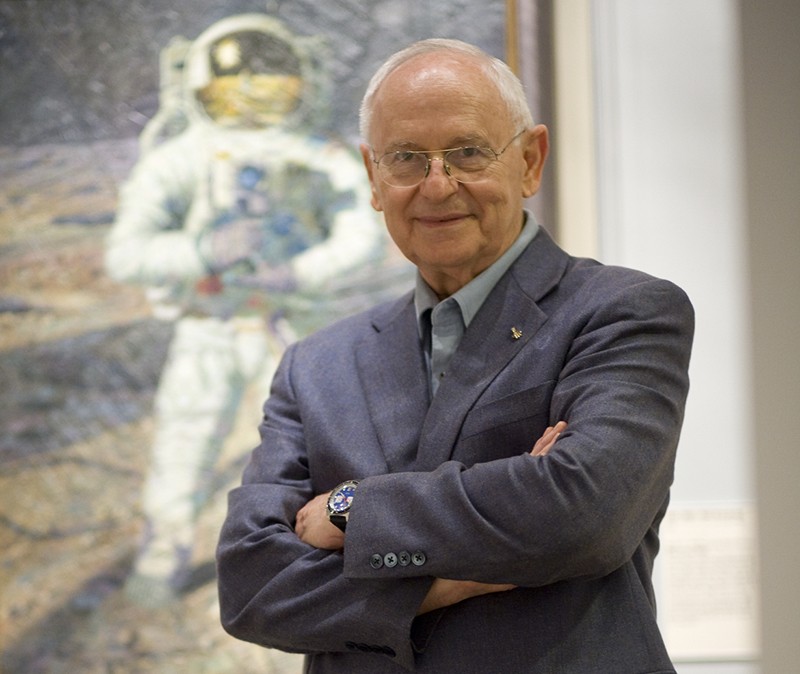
(516, 334)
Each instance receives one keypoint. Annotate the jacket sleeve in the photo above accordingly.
(620, 381)
(279, 592)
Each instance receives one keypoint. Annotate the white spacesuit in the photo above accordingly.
(238, 225)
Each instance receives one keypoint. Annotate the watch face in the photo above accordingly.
(342, 498)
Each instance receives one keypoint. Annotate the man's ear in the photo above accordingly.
(366, 155)
(534, 151)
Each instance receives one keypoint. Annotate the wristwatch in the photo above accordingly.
(339, 503)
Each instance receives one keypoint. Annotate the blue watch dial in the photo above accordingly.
(342, 499)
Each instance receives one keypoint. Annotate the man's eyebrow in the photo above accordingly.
(401, 145)
(472, 139)
(458, 141)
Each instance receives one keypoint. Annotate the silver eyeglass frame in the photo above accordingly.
(443, 158)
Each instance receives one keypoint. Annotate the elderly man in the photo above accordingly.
(471, 478)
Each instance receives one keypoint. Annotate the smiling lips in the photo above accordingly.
(440, 220)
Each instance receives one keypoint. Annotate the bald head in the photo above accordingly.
(494, 73)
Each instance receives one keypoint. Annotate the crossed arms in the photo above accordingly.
(313, 527)
(616, 372)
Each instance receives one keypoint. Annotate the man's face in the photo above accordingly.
(452, 231)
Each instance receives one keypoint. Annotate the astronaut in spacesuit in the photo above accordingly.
(237, 226)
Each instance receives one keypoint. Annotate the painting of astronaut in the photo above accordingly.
(180, 198)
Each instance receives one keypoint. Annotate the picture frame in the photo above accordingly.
(82, 354)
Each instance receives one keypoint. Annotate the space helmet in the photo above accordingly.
(249, 71)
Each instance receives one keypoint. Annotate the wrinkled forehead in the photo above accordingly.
(438, 73)
(452, 95)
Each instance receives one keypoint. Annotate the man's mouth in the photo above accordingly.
(441, 220)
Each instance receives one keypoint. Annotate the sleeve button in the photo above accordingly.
(376, 561)
(404, 558)
(390, 560)
(418, 558)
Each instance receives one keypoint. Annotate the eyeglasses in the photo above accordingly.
(467, 164)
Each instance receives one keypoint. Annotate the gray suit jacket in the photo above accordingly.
(448, 488)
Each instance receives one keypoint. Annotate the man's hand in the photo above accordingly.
(445, 592)
(314, 527)
(544, 444)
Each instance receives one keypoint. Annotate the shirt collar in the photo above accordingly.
(472, 296)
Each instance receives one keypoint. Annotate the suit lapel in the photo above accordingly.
(414, 432)
(504, 325)
(394, 379)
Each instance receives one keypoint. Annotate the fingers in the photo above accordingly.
(444, 592)
(545, 443)
(313, 527)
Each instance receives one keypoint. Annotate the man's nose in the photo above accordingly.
(438, 183)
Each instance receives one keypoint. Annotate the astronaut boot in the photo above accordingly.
(160, 573)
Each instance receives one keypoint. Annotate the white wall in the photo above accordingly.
(697, 109)
(669, 176)
(669, 170)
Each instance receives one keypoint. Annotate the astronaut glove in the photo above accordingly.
(279, 279)
(232, 243)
